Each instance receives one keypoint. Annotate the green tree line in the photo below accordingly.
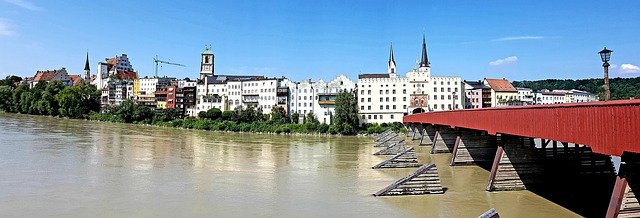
(53, 99)
(621, 88)
(83, 102)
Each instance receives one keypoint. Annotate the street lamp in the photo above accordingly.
(605, 54)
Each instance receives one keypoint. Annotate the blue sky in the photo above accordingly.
(321, 39)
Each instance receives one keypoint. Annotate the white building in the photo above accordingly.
(547, 97)
(324, 107)
(525, 95)
(386, 98)
(118, 66)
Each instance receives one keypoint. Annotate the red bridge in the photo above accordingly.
(523, 145)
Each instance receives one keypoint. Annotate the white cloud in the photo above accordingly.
(24, 4)
(504, 61)
(5, 29)
(629, 69)
(513, 38)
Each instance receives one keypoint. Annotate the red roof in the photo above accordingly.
(46, 75)
(501, 85)
(76, 79)
(127, 75)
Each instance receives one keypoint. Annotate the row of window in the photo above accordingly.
(375, 116)
(382, 107)
(387, 85)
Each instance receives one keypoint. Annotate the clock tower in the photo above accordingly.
(206, 63)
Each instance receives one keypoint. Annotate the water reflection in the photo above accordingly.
(60, 167)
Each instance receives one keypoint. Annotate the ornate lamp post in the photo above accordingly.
(605, 54)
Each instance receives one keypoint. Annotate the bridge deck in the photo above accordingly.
(607, 127)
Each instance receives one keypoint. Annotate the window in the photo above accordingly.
(442, 106)
(442, 89)
(381, 116)
(363, 117)
(404, 91)
(369, 116)
(362, 92)
(394, 107)
(394, 99)
(368, 99)
(404, 106)
(387, 99)
(381, 107)
(435, 89)
(386, 91)
(448, 89)
(375, 117)
(381, 92)
(456, 89)
(404, 98)
(393, 91)
(449, 97)
(380, 99)
(387, 107)
(435, 106)
(368, 107)
(361, 107)
(392, 114)
(369, 92)
(362, 100)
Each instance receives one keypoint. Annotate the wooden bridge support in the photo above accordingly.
(624, 203)
(444, 140)
(473, 147)
(428, 134)
(515, 165)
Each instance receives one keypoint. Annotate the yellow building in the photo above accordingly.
(136, 87)
(162, 104)
(502, 93)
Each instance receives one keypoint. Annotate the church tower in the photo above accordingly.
(391, 68)
(87, 70)
(207, 63)
(425, 66)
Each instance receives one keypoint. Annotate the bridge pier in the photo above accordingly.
(473, 147)
(419, 128)
(428, 134)
(444, 140)
(515, 165)
(624, 202)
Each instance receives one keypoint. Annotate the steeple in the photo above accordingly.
(87, 69)
(424, 62)
(392, 62)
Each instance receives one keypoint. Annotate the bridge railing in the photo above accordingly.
(608, 127)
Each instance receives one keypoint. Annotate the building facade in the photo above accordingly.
(386, 98)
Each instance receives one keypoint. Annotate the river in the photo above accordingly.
(62, 168)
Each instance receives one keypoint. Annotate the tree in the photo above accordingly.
(5, 98)
(16, 97)
(78, 101)
(346, 116)
(310, 118)
(10, 81)
(278, 115)
(211, 114)
(228, 115)
(295, 118)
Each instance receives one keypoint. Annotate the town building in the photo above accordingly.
(386, 98)
(118, 67)
(502, 93)
(547, 97)
(324, 107)
(51, 75)
(477, 94)
(526, 96)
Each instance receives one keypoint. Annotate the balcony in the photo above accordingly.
(282, 91)
(326, 102)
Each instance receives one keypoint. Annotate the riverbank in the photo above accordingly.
(260, 127)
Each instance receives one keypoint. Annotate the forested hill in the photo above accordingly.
(621, 88)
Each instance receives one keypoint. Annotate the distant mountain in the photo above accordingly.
(621, 88)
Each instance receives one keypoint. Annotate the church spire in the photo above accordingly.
(86, 64)
(424, 62)
(392, 61)
(87, 69)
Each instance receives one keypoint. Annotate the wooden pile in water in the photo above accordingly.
(404, 159)
(424, 180)
(392, 149)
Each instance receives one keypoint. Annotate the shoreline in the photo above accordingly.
(359, 135)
